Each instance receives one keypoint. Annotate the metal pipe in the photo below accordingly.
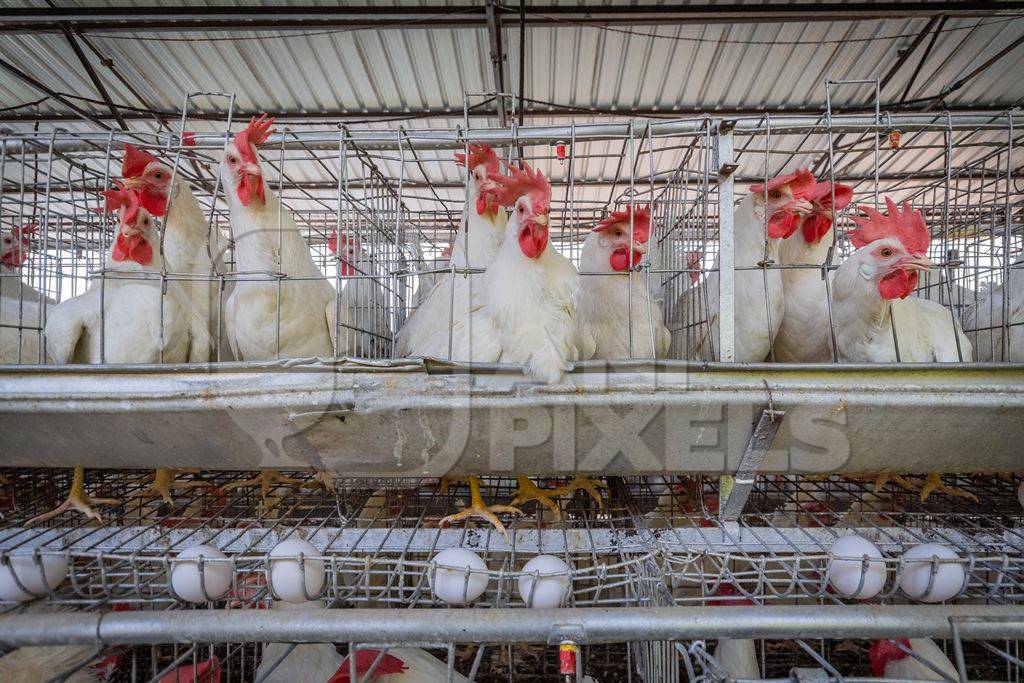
(511, 625)
(451, 139)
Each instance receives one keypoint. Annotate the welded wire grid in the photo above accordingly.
(400, 201)
(654, 542)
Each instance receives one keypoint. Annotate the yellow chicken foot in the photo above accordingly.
(444, 482)
(479, 510)
(161, 483)
(324, 479)
(912, 485)
(77, 500)
(933, 483)
(266, 480)
(528, 491)
(582, 483)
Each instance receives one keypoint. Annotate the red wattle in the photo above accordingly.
(388, 664)
(815, 227)
(251, 186)
(782, 224)
(154, 203)
(135, 248)
(620, 261)
(533, 239)
(897, 285)
(882, 652)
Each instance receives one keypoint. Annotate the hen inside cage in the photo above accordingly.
(406, 235)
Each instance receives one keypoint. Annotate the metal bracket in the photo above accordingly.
(735, 488)
(561, 633)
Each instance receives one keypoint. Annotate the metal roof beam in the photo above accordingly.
(94, 77)
(334, 116)
(236, 19)
(497, 55)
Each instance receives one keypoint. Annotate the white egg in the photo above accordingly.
(847, 572)
(192, 584)
(543, 581)
(457, 576)
(286, 575)
(918, 571)
(24, 569)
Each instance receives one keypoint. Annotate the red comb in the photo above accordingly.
(819, 222)
(802, 181)
(121, 198)
(907, 225)
(24, 231)
(641, 222)
(254, 135)
(388, 664)
(135, 161)
(506, 189)
(882, 652)
(479, 154)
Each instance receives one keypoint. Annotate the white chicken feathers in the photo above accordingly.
(452, 308)
(614, 307)
(926, 331)
(803, 334)
(267, 241)
(754, 298)
(984, 319)
(909, 668)
(124, 317)
(738, 658)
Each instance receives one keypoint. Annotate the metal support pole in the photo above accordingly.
(736, 488)
(726, 244)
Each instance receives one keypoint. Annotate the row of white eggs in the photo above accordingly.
(921, 577)
(202, 573)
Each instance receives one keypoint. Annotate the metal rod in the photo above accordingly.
(509, 625)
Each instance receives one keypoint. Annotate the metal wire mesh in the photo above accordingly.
(398, 199)
(654, 542)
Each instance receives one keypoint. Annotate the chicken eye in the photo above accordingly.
(886, 252)
(158, 175)
(232, 160)
(520, 208)
(776, 194)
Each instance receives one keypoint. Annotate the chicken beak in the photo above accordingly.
(801, 206)
(918, 263)
(129, 230)
(134, 183)
(541, 219)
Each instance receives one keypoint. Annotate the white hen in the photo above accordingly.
(191, 245)
(124, 317)
(758, 295)
(983, 319)
(264, 320)
(20, 304)
(452, 309)
(363, 323)
(803, 335)
(614, 307)
(890, 661)
(529, 286)
(872, 288)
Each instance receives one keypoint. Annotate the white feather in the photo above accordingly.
(754, 298)
(252, 312)
(803, 335)
(983, 319)
(926, 330)
(738, 658)
(606, 302)
(910, 669)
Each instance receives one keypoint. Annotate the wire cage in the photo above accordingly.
(653, 542)
(397, 199)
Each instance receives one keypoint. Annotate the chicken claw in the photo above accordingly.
(912, 485)
(479, 510)
(528, 491)
(584, 483)
(266, 480)
(76, 500)
(933, 482)
(161, 483)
